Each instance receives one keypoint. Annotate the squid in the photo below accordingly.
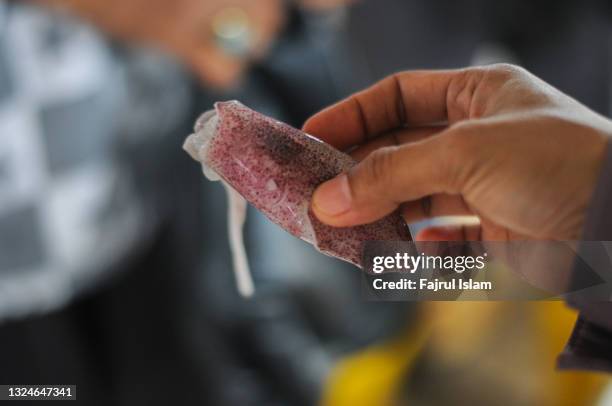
(276, 169)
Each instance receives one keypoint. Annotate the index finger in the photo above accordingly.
(406, 98)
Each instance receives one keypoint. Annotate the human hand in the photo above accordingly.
(494, 142)
(191, 30)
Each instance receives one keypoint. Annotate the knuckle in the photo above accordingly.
(460, 96)
(381, 164)
(474, 87)
(497, 76)
(503, 72)
(504, 67)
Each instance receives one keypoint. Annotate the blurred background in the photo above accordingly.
(115, 272)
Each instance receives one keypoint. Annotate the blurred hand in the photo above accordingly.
(324, 4)
(191, 30)
(495, 142)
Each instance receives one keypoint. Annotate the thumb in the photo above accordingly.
(389, 177)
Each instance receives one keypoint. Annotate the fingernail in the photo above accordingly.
(333, 197)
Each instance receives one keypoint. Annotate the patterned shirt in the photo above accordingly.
(70, 209)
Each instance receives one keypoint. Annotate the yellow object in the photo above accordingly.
(512, 345)
(372, 377)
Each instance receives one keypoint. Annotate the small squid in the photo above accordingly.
(276, 168)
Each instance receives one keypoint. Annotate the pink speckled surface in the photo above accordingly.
(276, 168)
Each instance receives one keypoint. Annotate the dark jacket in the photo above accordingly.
(590, 345)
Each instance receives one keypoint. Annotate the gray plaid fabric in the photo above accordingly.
(68, 209)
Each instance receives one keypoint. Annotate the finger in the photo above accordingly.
(409, 98)
(390, 176)
(435, 206)
(485, 231)
(214, 68)
(451, 233)
(394, 138)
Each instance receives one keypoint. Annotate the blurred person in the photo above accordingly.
(102, 256)
(217, 39)
(80, 203)
(72, 207)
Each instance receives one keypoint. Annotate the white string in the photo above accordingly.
(236, 216)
